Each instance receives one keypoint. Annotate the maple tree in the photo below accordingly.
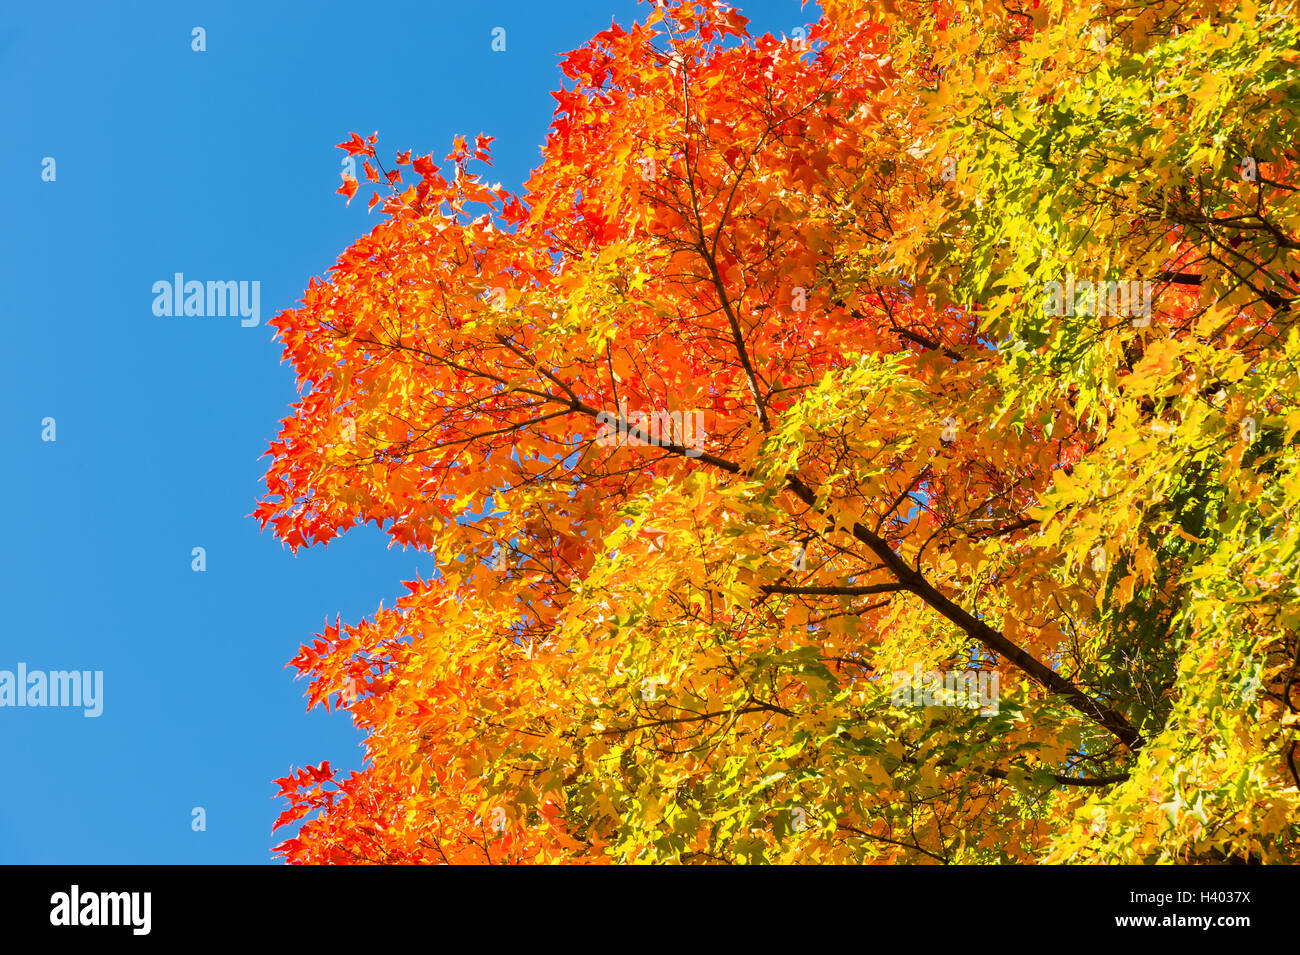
(919, 454)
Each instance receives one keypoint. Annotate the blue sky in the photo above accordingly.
(220, 165)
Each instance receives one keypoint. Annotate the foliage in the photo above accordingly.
(840, 253)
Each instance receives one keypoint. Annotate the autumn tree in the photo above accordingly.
(951, 338)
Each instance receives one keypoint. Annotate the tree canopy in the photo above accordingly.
(947, 338)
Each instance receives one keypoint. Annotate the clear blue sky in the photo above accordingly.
(219, 165)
